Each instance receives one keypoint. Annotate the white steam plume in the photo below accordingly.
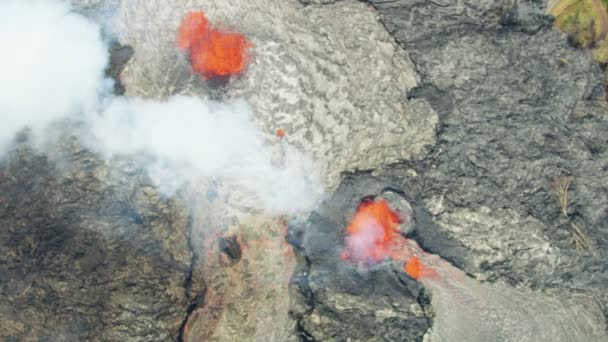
(210, 139)
(54, 65)
(51, 65)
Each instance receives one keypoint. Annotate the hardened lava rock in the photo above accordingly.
(519, 106)
(119, 56)
(88, 250)
(466, 310)
(336, 87)
(339, 300)
(380, 303)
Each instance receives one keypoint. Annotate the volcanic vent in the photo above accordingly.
(164, 215)
(215, 55)
(413, 292)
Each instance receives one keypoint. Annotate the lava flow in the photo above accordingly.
(214, 54)
(373, 235)
(462, 304)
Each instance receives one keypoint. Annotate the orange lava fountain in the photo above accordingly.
(373, 235)
(213, 53)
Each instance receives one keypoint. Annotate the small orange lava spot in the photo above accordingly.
(413, 268)
(280, 133)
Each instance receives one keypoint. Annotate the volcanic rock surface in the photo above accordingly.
(461, 307)
(344, 302)
(519, 108)
(239, 293)
(336, 87)
(471, 110)
(89, 250)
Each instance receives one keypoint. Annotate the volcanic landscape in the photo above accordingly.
(304, 170)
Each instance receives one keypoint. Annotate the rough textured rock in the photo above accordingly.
(310, 75)
(246, 298)
(317, 2)
(119, 56)
(342, 302)
(467, 310)
(335, 86)
(518, 107)
(88, 250)
(501, 244)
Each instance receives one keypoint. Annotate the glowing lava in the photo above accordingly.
(371, 232)
(413, 268)
(213, 53)
(373, 235)
(193, 26)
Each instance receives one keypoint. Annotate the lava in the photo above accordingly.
(193, 26)
(413, 268)
(371, 232)
(462, 304)
(214, 54)
(373, 235)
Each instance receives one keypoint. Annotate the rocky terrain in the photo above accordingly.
(483, 117)
(519, 108)
(89, 250)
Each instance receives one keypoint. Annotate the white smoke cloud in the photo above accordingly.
(191, 136)
(51, 65)
(53, 68)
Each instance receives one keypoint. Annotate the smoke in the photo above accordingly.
(53, 69)
(373, 235)
(372, 232)
(192, 137)
(51, 65)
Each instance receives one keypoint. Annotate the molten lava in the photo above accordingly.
(214, 54)
(373, 235)
(372, 232)
(413, 268)
(193, 26)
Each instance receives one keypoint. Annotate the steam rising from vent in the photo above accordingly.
(373, 235)
(52, 68)
(371, 232)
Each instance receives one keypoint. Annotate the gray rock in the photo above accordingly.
(402, 207)
(330, 76)
(344, 302)
(501, 244)
(88, 250)
(317, 2)
(119, 56)
(518, 107)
